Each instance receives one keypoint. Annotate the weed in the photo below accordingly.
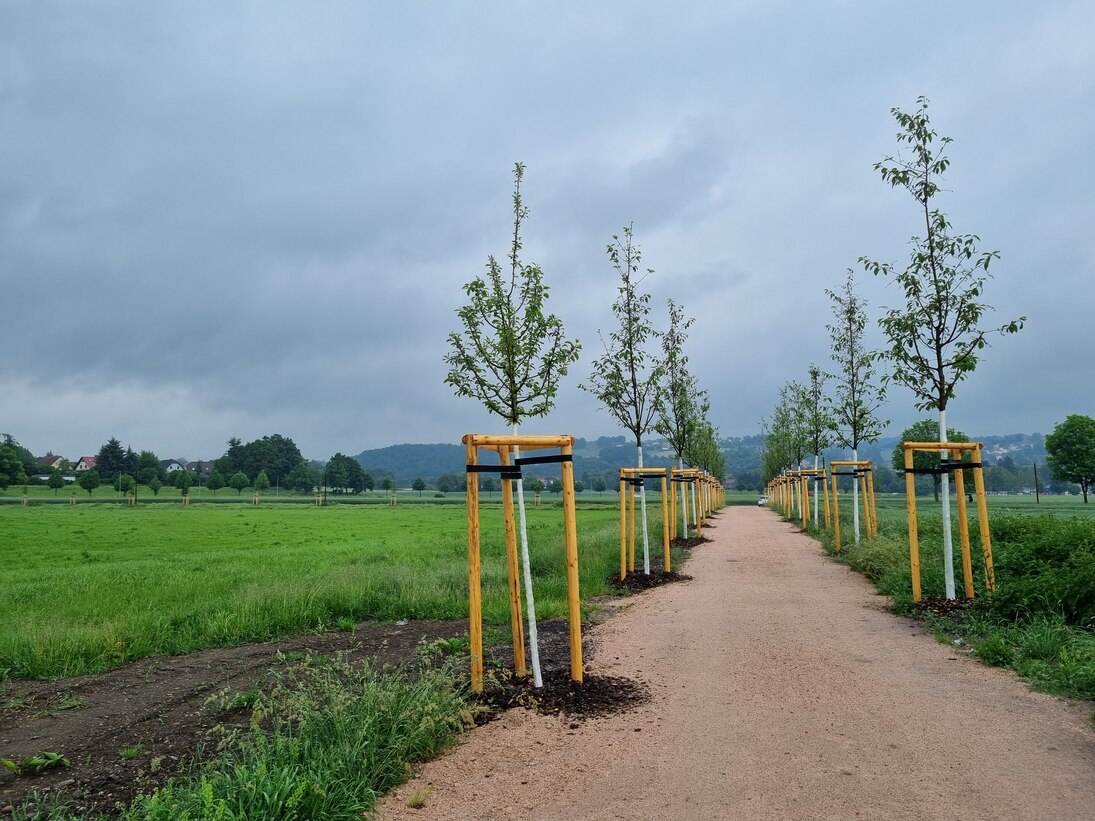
(129, 753)
(36, 763)
(418, 800)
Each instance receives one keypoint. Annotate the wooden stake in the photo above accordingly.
(516, 621)
(573, 600)
(914, 538)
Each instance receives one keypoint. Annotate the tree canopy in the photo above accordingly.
(1071, 451)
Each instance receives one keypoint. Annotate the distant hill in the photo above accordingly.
(605, 455)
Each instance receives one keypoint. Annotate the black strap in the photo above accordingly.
(945, 466)
(506, 471)
(543, 460)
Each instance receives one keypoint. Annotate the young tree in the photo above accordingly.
(579, 486)
(56, 480)
(238, 481)
(510, 355)
(626, 378)
(857, 398)
(301, 478)
(262, 482)
(89, 480)
(215, 481)
(154, 484)
(184, 480)
(813, 408)
(419, 484)
(599, 484)
(1071, 451)
(124, 483)
(935, 338)
(683, 405)
(148, 467)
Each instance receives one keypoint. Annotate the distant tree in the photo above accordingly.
(238, 481)
(599, 484)
(926, 430)
(124, 483)
(148, 467)
(56, 480)
(184, 480)
(447, 483)
(491, 485)
(215, 481)
(367, 480)
(262, 482)
(554, 486)
(389, 483)
(154, 484)
(579, 486)
(302, 478)
(626, 377)
(337, 472)
(419, 485)
(1071, 451)
(89, 480)
(856, 396)
(111, 460)
(25, 457)
(537, 485)
(11, 469)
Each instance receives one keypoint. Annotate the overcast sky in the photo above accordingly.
(237, 219)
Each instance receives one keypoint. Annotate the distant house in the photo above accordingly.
(50, 461)
(85, 463)
(171, 465)
(203, 469)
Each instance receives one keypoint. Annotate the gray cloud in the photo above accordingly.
(242, 219)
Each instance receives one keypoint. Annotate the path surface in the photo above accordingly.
(781, 688)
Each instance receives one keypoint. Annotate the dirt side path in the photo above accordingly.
(780, 689)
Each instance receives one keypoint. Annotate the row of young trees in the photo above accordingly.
(510, 355)
(934, 339)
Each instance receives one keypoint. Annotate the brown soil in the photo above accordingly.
(779, 687)
(157, 706)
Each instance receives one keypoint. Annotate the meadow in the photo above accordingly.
(96, 585)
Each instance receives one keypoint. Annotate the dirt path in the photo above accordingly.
(780, 689)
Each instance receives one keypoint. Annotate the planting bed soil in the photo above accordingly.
(155, 710)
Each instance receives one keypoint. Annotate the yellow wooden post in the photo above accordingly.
(672, 506)
(874, 505)
(517, 625)
(964, 532)
(573, 601)
(836, 514)
(623, 528)
(665, 524)
(475, 597)
(914, 540)
(983, 521)
(825, 490)
(861, 477)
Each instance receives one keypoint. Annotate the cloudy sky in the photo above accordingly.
(235, 219)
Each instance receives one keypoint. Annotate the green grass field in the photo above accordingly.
(93, 586)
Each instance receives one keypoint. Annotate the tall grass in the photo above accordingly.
(91, 587)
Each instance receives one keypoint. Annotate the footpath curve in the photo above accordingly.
(781, 688)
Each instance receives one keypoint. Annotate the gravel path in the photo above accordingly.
(781, 688)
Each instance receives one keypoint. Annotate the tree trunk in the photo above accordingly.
(642, 505)
(526, 571)
(855, 497)
(945, 488)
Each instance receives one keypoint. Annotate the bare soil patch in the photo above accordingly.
(155, 710)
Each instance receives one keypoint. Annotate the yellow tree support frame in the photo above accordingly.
(808, 476)
(958, 466)
(691, 476)
(503, 445)
(861, 471)
(630, 478)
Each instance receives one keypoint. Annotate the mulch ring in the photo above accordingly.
(941, 607)
(594, 696)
